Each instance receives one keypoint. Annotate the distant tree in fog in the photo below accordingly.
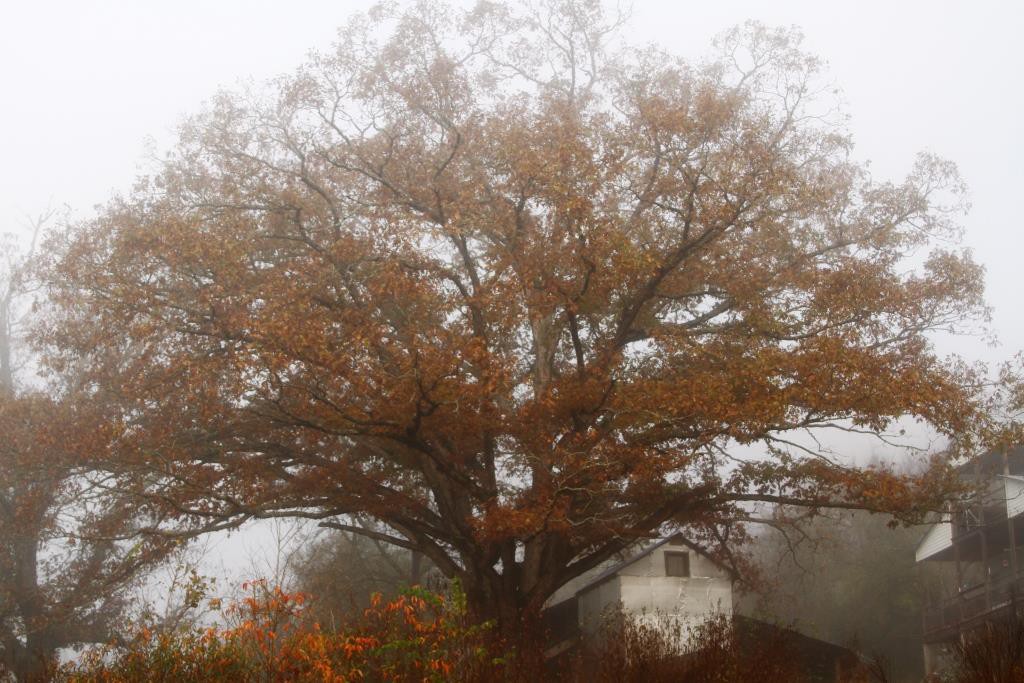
(852, 580)
(341, 570)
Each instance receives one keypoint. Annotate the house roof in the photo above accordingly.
(990, 463)
(619, 566)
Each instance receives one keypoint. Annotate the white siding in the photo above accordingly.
(938, 538)
(670, 600)
(691, 599)
(645, 593)
(1014, 495)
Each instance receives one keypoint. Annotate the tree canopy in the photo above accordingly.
(517, 294)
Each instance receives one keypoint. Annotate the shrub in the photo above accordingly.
(993, 652)
(270, 636)
(652, 649)
(417, 636)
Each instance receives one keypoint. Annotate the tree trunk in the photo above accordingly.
(34, 664)
(6, 365)
(501, 602)
(35, 660)
(415, 568)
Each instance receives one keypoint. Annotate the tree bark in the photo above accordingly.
(415, 568)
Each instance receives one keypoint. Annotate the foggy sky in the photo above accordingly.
(89, 89)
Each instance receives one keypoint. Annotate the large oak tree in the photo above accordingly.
(518, 297)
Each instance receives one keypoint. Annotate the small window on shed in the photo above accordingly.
(677, 564)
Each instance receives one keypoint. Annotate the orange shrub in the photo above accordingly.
(418, 636)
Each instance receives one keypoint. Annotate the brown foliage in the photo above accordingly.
(515, 296)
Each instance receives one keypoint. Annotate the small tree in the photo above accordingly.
(519, 297)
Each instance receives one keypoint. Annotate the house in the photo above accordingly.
(971, 558)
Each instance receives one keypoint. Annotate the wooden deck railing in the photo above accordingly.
(973, 606)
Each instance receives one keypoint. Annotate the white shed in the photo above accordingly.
(670, 579)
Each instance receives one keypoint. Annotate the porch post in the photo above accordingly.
(1011, 527)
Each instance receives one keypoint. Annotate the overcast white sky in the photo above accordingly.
(84, 84)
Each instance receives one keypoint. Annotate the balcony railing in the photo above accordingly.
(973, 605)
